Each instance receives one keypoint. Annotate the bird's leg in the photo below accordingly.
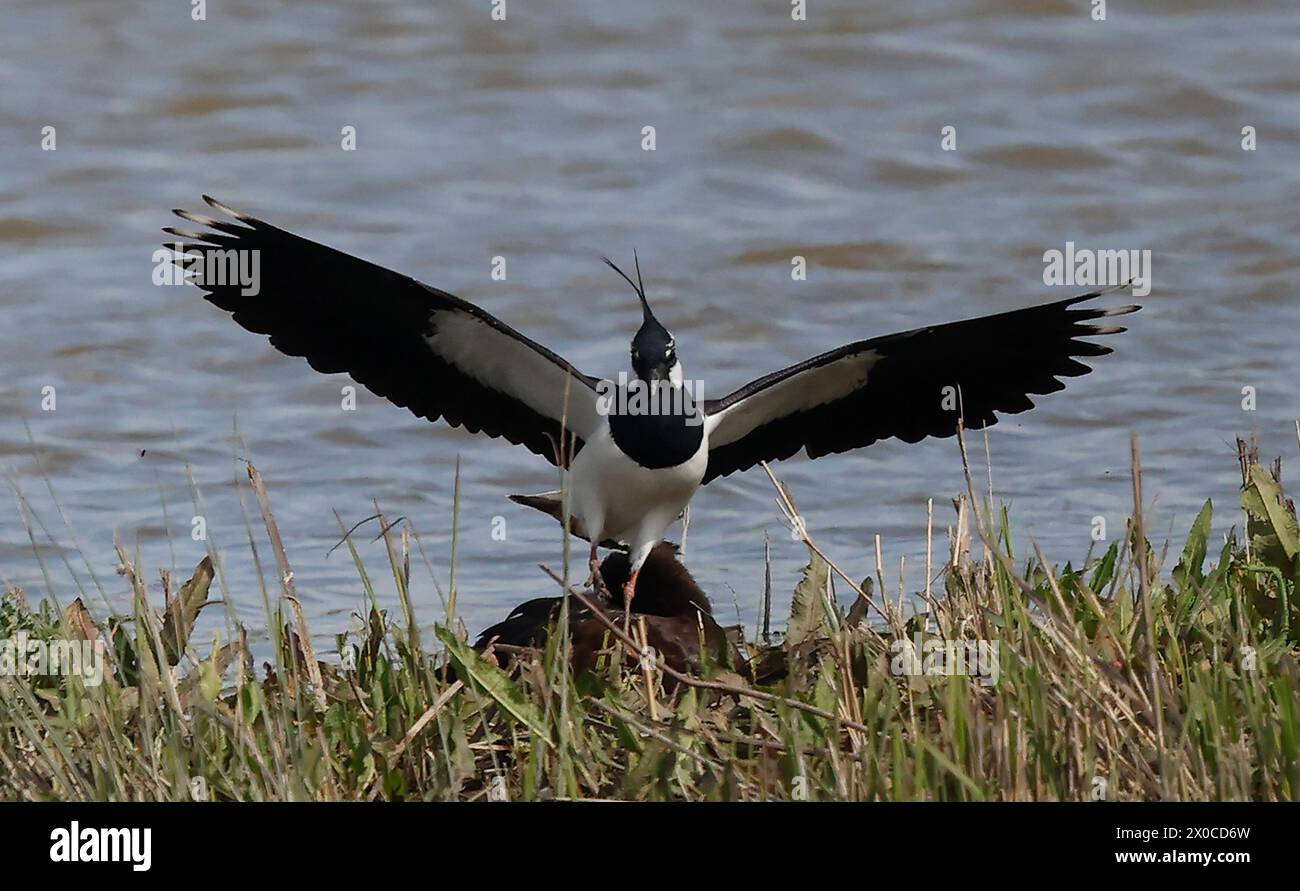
(597, 583)
(629, 591)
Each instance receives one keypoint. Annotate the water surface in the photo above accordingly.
(523, 139)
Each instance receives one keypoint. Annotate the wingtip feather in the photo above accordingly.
(225, 208)
(184, 233)
(201, 219)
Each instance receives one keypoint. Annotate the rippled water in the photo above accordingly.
(522, 138)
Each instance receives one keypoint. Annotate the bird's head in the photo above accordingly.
(654, 352)
(654, 355)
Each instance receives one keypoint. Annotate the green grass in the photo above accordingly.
(1114, 679)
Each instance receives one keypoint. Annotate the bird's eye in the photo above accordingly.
(668, 356)
(636, 355)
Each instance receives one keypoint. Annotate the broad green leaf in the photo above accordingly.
(1263, 500)
(494, 681)
(184, 609)
(807, 610)
(206, 680)
(1105, 570)
(1189, 567)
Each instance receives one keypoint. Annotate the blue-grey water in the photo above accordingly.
(523, 139)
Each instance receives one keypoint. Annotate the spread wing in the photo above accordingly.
(419, 347)
(909, 385)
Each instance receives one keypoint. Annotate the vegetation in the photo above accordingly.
(1113, 679)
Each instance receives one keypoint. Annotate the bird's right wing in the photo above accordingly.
(419, 347)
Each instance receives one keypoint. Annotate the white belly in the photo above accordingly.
(617, 498)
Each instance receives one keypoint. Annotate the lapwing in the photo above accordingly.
(629, 473)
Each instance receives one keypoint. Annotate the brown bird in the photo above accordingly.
(677, 615)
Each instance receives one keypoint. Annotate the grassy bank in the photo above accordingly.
(1115, 679)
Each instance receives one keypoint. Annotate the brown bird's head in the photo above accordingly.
(664, 586)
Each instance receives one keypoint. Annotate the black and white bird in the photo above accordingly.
(629, 473)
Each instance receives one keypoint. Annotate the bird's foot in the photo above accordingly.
(596, 582)
(629, 591)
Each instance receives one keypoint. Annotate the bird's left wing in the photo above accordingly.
(909, 385)
(419, 347)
